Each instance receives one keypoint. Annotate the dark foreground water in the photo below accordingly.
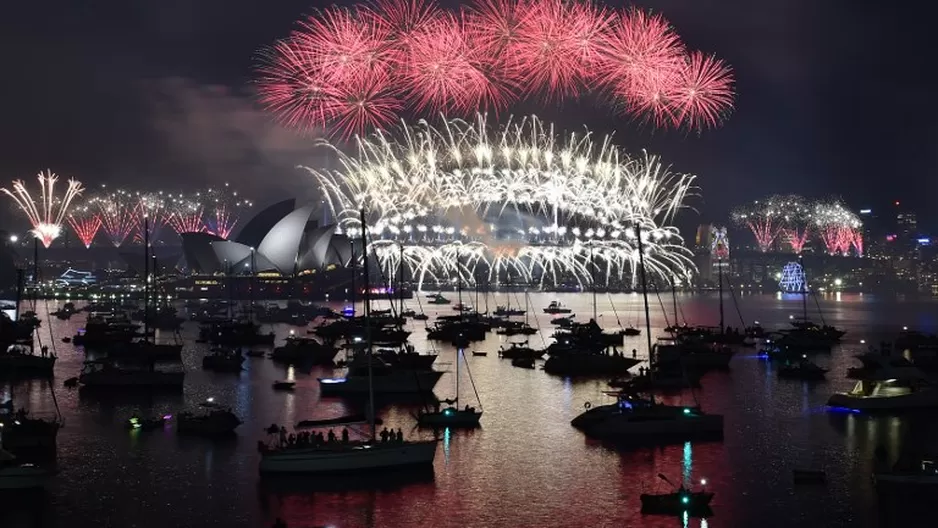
(526, 466)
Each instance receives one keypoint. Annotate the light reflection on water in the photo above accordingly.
(525, 467)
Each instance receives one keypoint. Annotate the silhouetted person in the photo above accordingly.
(400, 435)
(283, 436)
(345, 435)
(384, 435)
(331, 436)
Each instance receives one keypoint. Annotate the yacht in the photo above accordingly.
(556, 308)
(22, 360)
(452, 416)
(223, 360)
(874, 361)
(304, 350)
(438, 299)
(384, 378)
(634, 419)
(889, 389)
(146, 351)
(691, 355)
(24, 433)
(214, 419)
(104, 374)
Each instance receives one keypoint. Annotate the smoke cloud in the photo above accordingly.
(213, 134)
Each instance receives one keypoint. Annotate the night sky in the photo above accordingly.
(835, 97)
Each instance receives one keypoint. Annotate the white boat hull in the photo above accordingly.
(916, 400)
(349, 459)
(23, 477)
(400, 382)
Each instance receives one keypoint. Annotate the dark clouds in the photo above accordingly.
(835, 96)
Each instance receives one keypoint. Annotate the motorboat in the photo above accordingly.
(407, 358)
(385, 379)
(23, 360)
(304, 350)
(106, 374)
(889, 389)
(24, 433)
(506, 311)
(630, 331)
(922, 475)
(634, 419)
(438, 299)
(235, 333)
(145, 351)
(819, 332)
(678, 503)
(513, 328)
(223, 360)
(211, 420)
(15, 476)
(874, 361)
(523, 362)
(520, 350)
(135, 423)
(555, 307)
(692, 356)
(284, 385)
(802, 369)
(589, 363)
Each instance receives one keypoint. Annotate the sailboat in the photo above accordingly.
(18, 356)
(452, 416)
(346, 456)
(644, 420)
(16, 476)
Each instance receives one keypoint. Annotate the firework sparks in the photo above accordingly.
(224, 209)
(117, 213)
(519, 200)
(47, 215)
(347, 70)
(837, 227)
(86, 224)
(765, 219)
(186, 216)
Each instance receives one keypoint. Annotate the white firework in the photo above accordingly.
(518, 200)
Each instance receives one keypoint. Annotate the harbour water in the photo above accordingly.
(526, 466)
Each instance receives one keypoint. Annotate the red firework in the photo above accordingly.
(86, 225)
(642, 60)
(797, 238)
(187, 220)
(343, 45)
(858, 242)
(837, 239)
(293, 86)
(117, 216)
(364, 102)
(558, 43)
(703, 95)
(401, 19)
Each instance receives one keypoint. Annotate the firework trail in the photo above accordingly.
(186, 216)
(47, 215)
(858, 242)
(349, 70)
(520, 200)
(765, 219)
(117, 213)
(152, 207)
(224, 210)
(837, 227)
(86, 224)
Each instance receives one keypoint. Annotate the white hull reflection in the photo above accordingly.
(339, 459)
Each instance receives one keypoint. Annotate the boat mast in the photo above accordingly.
(400, 281)
(366, 298)
(19, 294)
(146, 279)
(804, 290)
(641, 268)
(674, 299)
(720, 273)
(36, 263)
(593, 281)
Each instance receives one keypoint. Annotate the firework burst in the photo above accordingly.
(348, 70)
(186, 216)
(117, 211)
(47, 215)
(225, 207)
(766, 220)
(837, 227)
(86, 224)
(520, 200)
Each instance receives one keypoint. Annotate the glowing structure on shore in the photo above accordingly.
(518, 201)
(47, 215)
(792, 278)
(224, 210)
(350, 70)
(720, 243)
(838, 228)
(117, 211)
(86, 224)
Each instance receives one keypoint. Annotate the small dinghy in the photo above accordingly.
(284, 385)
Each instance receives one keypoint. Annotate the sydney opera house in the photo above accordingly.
(282, 252)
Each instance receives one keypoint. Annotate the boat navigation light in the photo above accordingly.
(210, 400)
(292, 332)
(686, 410)
(791, 316)
(685, 499)
(448, 412)
(755, 322)
(863, 341)
(357, 339)
(703, 482)
(804, 356)
(905, 328)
